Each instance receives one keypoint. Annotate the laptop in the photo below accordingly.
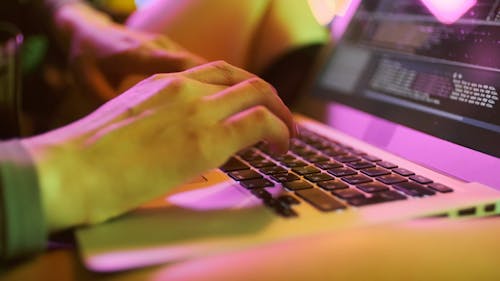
(410, 127)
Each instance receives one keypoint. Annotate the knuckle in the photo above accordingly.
(261, 114)
(221, 64)
(224, 69)
(173, 87)
(261, 86)
(176, 83)
(157, 76)
(194, 110)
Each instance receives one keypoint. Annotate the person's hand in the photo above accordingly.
(107, 58)
(159, 134)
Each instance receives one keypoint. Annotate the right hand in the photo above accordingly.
(159, 134)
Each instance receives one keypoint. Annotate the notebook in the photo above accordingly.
(401, 121)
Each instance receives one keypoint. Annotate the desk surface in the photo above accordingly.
(420, 249)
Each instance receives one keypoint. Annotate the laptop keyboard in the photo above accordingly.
(325, 173)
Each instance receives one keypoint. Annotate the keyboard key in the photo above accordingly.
(371, 158)
(245, 151)
(318, 177)
(440, 187)
(261, 163)
(288, 199)
(421, 179)
(274, 203)
(233, 164)
(304, 151)
(254, 157)
(261, 193)
(356, 179)
(306, 170)
(375, 172)
(286, 212)
(413, 189)
(334, 151)
(284, 157)
(347, 194)
(391, 195)
(320, 144)
(297, 185)
(244, 175)
(404, 172)
(381, 197)
(284, 177)
(372, 187)
(320, 200)
(355, 151)
(363, 201)
(294, 163)
(387, 165)
(347, 158)
(360, 165)
(273, 170)
(311, 138)
(328, 165)
(390, 179)
(256, 183)
(342, 172)
(314, 158)
(250, 154)
(263, 147)
(332, 185)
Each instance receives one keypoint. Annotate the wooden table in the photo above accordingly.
(436, 249)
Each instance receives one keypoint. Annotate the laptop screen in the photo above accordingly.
(431, 65)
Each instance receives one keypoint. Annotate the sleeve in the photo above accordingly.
(22, 226)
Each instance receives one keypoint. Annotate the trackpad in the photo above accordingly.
(225, 195)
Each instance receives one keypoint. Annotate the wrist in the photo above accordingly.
(56, 191)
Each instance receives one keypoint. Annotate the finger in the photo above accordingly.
(248, 94)
(248, 127)
(156, 61)
(219, 73)
(93, 79)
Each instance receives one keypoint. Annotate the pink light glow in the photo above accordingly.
(225, 195)
(135, 258)
(448, 11)
(339, 24)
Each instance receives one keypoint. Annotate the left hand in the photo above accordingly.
(107, 58)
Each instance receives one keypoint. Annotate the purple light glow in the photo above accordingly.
(425, 149)
(134, 258)
(448, 11)
(217, 197)
(339, 23)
